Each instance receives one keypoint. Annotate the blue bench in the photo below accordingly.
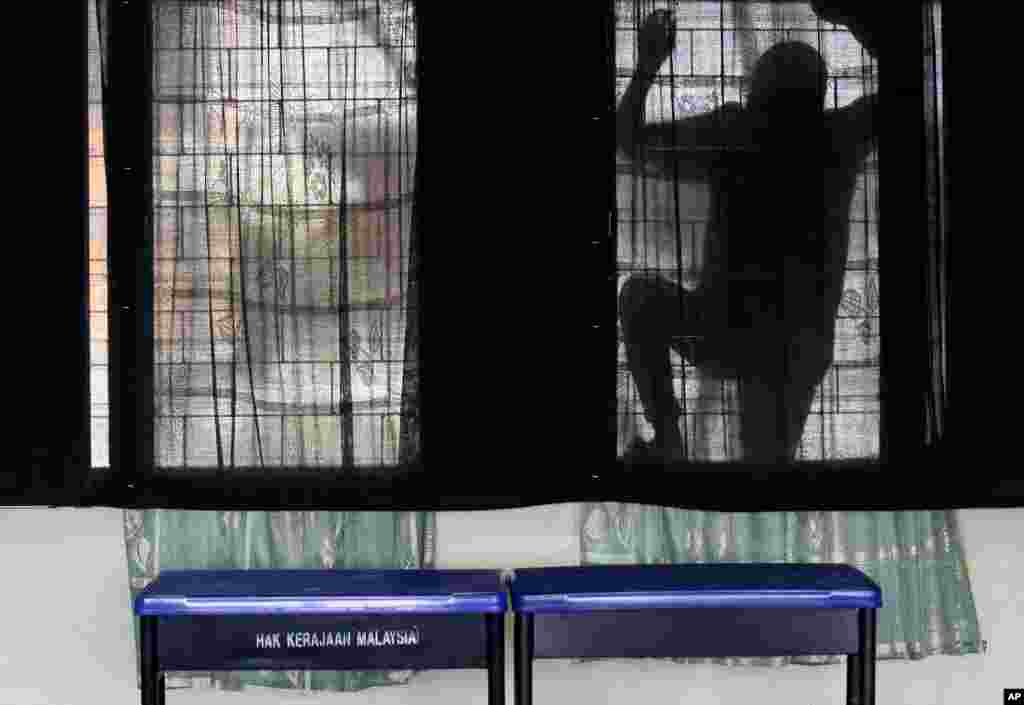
(697, 610)
(321, 619)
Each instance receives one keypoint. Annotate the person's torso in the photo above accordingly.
(779, 232)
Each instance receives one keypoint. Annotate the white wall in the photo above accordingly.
(65, 624)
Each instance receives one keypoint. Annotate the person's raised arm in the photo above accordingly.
(686, 147)
(655, 41)
(865, 21)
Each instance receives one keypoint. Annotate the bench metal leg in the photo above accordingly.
(860, 667)
(496, 658)
(152, 681)
(524, 659)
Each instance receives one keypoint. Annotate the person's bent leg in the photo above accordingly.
(762, 417)
(652, 310)
(774, 405)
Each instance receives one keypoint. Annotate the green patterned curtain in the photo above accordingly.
(162, 539)
(916, 558)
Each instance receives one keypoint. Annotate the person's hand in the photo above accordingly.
(656, 40)
(864, 20)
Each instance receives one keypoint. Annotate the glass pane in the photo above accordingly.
(99, 416)
(747, 234)
(284, 151)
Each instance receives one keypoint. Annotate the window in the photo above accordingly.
(301, 330)
(282, 226)
(673, 217)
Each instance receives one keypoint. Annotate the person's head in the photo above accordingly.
(789, 78)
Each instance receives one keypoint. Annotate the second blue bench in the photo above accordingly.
(697, 610)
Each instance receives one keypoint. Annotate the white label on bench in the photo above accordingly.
(361, 638)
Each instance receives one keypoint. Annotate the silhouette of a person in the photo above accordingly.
(781, 173)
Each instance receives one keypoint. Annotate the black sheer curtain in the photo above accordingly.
(50, 153)
(262, 316)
